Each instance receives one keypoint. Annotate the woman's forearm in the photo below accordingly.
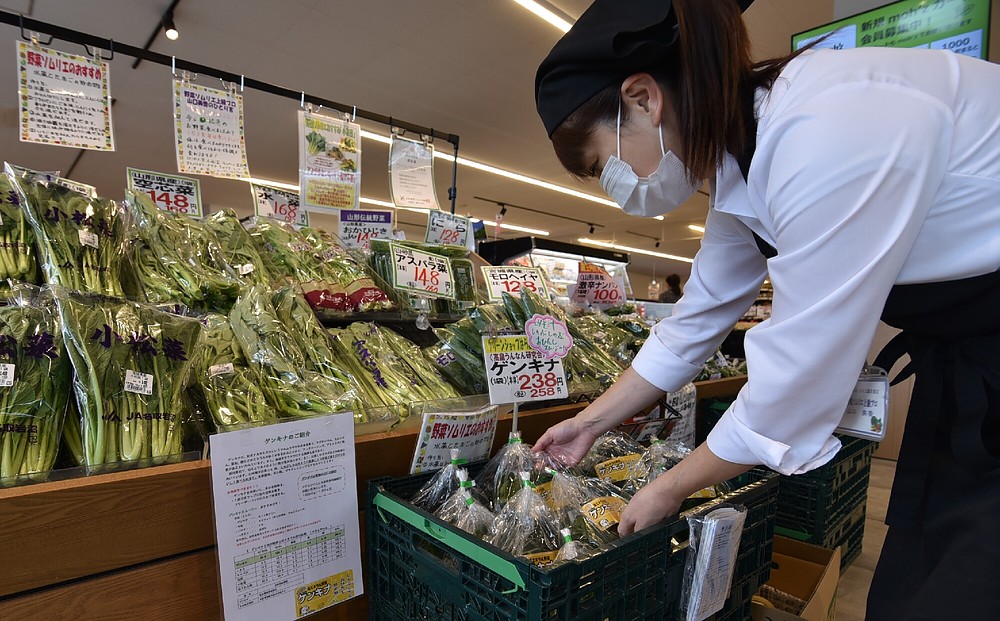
(625, 398)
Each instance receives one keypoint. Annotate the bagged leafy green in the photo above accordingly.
(35, 376)
(463, 511)
(500, 478)
(132, 365)
(17, 240)
(441, 486)
(81, 240)
(525, 526)
(237, 248)
(440, 356)
(613, 457)
(590, 508)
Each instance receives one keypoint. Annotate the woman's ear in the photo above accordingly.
(643, 97)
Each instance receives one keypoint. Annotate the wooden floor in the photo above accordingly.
(854, 583)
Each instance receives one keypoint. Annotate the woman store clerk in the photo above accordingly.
(866, 184)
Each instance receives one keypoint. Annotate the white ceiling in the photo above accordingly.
(461, 66)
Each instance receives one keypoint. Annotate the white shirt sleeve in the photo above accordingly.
(848, 178)
(725, 279)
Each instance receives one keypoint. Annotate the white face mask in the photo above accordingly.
(661, 192)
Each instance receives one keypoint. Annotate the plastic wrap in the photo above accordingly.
(363, 295)
(526, 525)
(80, 240)
(227, 385)
(570, 549)
(589, 508)
(613, 457)
(237, 248)
(18, 261)
(465, 512)
(35, 376)
(173, 263)
(501, 477)
(710, 560)
(446, 363)
(441, 486)
(132, 365)
(609, 337)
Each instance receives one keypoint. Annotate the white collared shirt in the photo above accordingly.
(873, 167)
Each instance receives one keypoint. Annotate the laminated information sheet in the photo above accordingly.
(286, 518)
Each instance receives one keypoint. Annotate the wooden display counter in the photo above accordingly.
(140, 544)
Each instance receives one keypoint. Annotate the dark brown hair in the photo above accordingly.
(674, 282)
(709, 82)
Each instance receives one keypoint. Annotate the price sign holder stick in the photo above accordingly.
(513, 419)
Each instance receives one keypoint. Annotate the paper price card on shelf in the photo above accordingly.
(596, 286)
(209, 127)
(65, 99)
(286, 518)
(517, 373)
(278, 204)
(471, 433)
(421, 272)
(169, 192)
(447, 228)
(359, 227)
(411, 174)
(502, 279)
(329, 163)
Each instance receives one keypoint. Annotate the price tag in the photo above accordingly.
(139, 383)
(88, 239)
(422, 272)
(220, 369)
(542, 559)
(278, 204)
(868, 407)
(502, 279)
(87, 190)
(517, 373)
(359, 227)
(447, 228)
(548, 336)
(169, 192)
(6, 374)
(246, 268)
(596, 286)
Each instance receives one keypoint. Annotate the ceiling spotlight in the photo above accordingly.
(657, 244)
(591, 229)
(503, 209)
(169, 28)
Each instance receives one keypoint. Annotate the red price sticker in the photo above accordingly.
(502, 279)
(517, 373)
(421, 272)
(168, 192)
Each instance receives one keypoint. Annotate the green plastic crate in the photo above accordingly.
(422, 568)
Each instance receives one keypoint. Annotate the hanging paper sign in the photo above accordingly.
(502, 279)
(359, 227)
(422, 272)
(548, 336)
(209, 131)
(411, 174)
(65, 99)
(471, 433)
(517, 373)
(329, 163)
(278, 204)
(169, 192)
(596, 286)
(447, 228)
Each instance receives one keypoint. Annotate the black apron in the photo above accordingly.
(942, 551)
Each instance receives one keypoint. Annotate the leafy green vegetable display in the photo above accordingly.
(17, 239)
(35, 376)
(237, 248)
(132, 365)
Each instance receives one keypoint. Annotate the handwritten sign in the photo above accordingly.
(502, 279)
(422, 272)
(329, 163)
(411, 174)
(447, 228)
(65, 99)
(209, 131)
(548, 336)
(169, 192)
(358, 227)
(517, 373)
(596, 286)
(471, 433)
(278, 204)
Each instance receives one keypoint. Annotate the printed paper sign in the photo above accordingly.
(447, 228)
(278, 204)
(502, 279)
(411, 174)
(359, 227)
(709, 570)
(329, 163)
(169, 192)
(517, 373)
(548, 336)
(65, 99)
(596, 286)
(6, 374)
(286, 518)
(209, 131)
(469, 432)
(421, 272)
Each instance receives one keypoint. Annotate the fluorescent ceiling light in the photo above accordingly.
(513, 227)
(546, 14)
(652, 253)
(695, 227)
(274, 184)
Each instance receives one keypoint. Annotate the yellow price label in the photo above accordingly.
(604, 512)
(617, 469)
(323, 593)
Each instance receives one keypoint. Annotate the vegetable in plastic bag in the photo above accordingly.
(526, 526)
(17, 239)
(570, 549)
(237, 248)
(612, 457)
(589, 507)
(463, 511)
(441, 486)
(501, 477)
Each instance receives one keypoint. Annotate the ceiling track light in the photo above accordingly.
(591, 229)
(169, 28)
(503, 209)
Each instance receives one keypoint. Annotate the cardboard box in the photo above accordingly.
(806, 572)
